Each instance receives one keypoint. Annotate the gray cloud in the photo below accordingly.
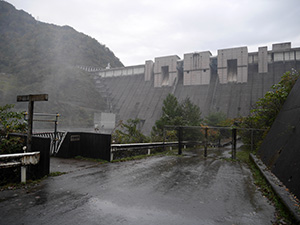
(139, 30)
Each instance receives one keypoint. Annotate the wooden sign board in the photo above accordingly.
(32, 98)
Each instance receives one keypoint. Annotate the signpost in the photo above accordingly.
(31, 99)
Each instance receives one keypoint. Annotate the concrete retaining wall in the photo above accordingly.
(280, 149)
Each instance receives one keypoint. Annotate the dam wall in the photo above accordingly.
(230, 82)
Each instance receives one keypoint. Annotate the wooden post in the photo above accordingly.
(31, 99)
(252, 141)
(55, 134)
(179, 140)
(233, 143)
(164, 137)
(205, 142)
(23, 174)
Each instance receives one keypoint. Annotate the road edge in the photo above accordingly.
(279, 188)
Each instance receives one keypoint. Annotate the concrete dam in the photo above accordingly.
(230, 82)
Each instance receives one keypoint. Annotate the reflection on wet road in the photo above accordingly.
(157, 190)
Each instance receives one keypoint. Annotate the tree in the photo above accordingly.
(129, 133)
(171, 115)
(267, 108)
(176, 114)
(191, 113)
(10, 122)
(215, 119)
(218, 119)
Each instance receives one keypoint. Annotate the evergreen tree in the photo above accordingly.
(176, 114)
(171, 115)
(215, 119)
(191, 113)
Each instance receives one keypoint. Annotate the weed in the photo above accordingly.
(55, 174)
(283, 216)
(90, 159)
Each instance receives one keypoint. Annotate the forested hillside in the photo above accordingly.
(36, 57)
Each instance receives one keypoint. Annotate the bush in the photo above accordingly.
(129, 133)
(10, 122)
(267, 108)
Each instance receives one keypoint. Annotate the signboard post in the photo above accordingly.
(31, 99)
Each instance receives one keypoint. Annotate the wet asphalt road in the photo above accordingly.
(157, 190)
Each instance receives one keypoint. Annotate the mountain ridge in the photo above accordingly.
(37, 57)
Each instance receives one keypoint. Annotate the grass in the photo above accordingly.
(90, 159)
(55, 174)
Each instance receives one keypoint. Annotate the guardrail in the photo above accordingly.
(230, 140)
(20, 159)
(149, 146)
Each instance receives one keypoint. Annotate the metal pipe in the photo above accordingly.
(46, 114)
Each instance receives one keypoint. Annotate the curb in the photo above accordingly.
(289, 201)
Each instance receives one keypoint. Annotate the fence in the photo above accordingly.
(195, 136)
(71, 144)
(91, 145)
(143, 148)
(208, 136)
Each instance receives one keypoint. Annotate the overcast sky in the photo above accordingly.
(139, 30)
